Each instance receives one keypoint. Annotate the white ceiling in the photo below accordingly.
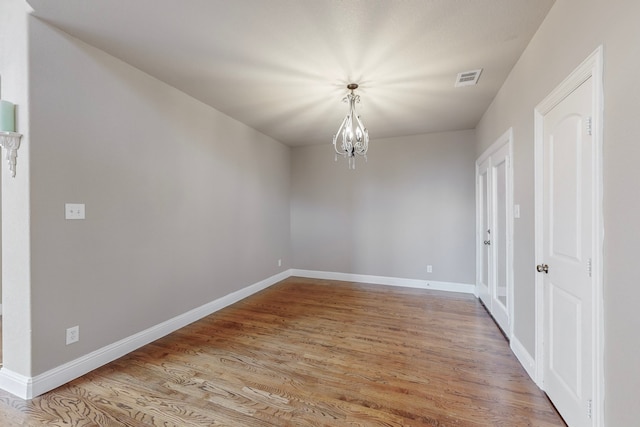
(282, 66)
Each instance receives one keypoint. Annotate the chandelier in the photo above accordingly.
(353, 136)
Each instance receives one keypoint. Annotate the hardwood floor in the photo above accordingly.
(310, 353)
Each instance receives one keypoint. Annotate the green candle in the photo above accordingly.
(7, 117)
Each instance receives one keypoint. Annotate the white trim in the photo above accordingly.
(466, 288)
(592, 67)
(30, 387)
(538, 161)
(526, 360)
(14, 383)
(502, 140)
(505, 140)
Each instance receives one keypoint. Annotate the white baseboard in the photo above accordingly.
(15, 383)
(390, 281)
(30, 387)
(526, 360)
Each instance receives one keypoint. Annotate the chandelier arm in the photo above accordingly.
(335, 137)
(362, 145)
(347, 136)
(360, 125)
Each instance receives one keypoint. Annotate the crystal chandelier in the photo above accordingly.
(354, 137)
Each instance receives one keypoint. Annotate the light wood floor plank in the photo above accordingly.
(310, 352)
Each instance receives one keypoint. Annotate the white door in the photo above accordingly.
(483, 233)
(566, 263)
(500, 239)
(494, 231)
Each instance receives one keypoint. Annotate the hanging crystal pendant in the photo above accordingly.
(354, 137)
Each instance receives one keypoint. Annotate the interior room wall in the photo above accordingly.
(572, 30)
(16, 291)
(184, 205)
(412, 204)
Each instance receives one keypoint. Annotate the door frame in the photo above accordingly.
(592, 67)
(506, 139)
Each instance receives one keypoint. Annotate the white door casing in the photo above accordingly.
(494, 236)
(569, 245)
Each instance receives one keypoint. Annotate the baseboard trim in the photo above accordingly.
(15, 383)
(526, 360)
(389, 281)
(30, 387)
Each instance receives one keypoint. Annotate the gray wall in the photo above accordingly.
(572, 30)
(411, 205)
(184, 205)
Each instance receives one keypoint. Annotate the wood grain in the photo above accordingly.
(310, 353)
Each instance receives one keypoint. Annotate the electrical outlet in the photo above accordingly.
(73, 334)
(279, 263)
(429, 268)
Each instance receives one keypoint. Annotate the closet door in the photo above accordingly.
(494, 213)
(500, 212)
(484, 256)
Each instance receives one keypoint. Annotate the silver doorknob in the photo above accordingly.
(542, 268)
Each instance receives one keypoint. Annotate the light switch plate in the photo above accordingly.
(74, 211)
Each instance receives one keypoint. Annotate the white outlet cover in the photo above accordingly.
(73, 334)
(74, 211)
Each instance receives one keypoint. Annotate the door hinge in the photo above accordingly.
(589, 126)
(589, 269)
(590, 408)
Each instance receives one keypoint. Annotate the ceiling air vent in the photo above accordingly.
(468, 78)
